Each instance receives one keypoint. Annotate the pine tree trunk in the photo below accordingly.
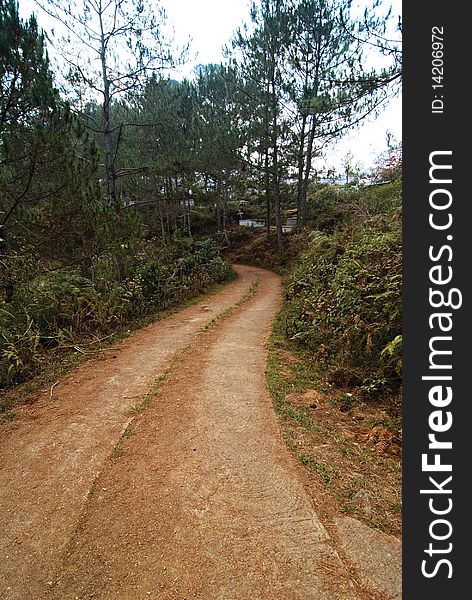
(161, 219)
(267, 190)
(189, 223)
(278, 215)
(306, 175)
(300, 165)
(225, 231)
(266, 164)
(107, 133)
(276, 174)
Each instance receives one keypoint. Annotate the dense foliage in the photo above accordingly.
(57, 309)
(343, 300)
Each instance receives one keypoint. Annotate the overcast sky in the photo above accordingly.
(210, 24)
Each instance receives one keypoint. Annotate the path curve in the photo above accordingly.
(202, 501)
(53, 452)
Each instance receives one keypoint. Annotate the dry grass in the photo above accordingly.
(351, 450)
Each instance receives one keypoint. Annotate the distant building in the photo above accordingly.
(187, 202)
(127, 203)
(252, 223)
(332, 180)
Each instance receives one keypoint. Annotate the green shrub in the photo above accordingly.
(19, 348)
(327, 207)
(334, 207)
(343, 304)
(57, 301)
(55, 309)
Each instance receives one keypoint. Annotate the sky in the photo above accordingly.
(210, 24)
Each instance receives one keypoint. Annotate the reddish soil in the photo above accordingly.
(200, 499)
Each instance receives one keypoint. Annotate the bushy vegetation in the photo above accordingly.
(332, 207)
(56, 309)
(343, 299)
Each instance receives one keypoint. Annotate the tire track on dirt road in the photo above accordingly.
(205, 500)
(51, 455)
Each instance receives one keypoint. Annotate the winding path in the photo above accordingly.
(199, 499)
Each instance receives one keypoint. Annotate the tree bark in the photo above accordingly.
(189, 223)
(275, 165)
(107, 134)
(267, 189)
(306, 176)
(300, 164)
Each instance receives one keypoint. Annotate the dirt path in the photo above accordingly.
(200, 500)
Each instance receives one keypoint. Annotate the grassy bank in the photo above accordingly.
(350, 448)
(334, 367)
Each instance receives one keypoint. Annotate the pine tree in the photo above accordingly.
(41, 144)
(111, 46)
(329, 83)
(263, 60)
